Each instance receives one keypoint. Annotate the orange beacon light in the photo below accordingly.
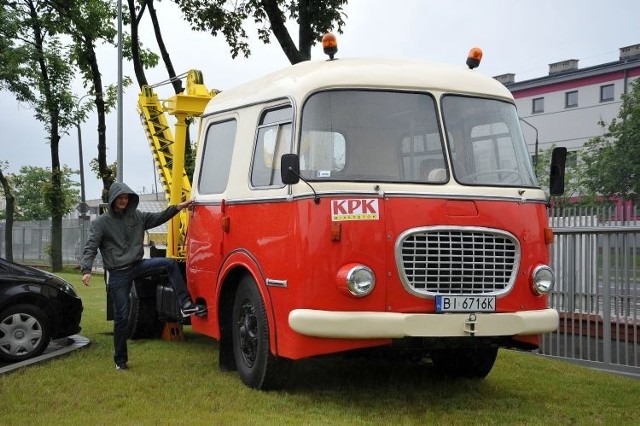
(330, 45)
(474, 58)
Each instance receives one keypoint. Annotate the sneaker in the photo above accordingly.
(188, 308)
(122, 366)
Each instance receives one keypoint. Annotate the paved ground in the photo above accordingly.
(55, 349)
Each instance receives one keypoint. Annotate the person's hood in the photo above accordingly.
(119, 188)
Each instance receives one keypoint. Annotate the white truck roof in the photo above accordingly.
(298, 80)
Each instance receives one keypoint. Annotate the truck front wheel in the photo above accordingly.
(257, 367)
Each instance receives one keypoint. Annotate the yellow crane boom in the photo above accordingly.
(169, 151)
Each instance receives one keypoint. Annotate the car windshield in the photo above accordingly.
(367, 135)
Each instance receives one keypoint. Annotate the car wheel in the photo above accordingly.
(24, 332)
(257, 367)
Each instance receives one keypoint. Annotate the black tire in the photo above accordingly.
(257, 367)
(143, 317)
(25, 332)
(468, 362)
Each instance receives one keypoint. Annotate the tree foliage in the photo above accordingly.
(32, 32)
(314, 18)
(87, 23)
(612, 161)
(46, 44)
(33, 188)
(13, 57)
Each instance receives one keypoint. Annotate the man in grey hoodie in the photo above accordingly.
(119, 235)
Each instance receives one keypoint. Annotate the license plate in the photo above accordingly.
(465, 303)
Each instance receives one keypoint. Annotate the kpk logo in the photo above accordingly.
(354, 209)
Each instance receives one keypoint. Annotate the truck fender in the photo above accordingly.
(237, 262)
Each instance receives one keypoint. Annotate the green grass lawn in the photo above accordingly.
(179, 383)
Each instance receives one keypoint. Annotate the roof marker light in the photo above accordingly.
(474, 58)
(330, 45)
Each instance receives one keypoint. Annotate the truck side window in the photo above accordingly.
(216, 157)
(273, 139)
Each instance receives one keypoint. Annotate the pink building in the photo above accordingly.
(565, 107)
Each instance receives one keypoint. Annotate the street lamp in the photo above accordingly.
(83, 207)
(535, 157)
(119, 132)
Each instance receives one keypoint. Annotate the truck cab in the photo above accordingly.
(355, 203)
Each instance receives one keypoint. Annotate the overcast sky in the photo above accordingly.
(516, 36)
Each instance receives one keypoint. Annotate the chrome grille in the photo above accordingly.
(460, 260)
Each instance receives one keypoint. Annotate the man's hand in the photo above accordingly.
(85, 279)
(185, 204)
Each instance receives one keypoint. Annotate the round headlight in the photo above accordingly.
(543, 279)
(360, 280)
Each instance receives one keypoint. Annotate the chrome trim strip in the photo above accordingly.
(276, 283)
(377, 194)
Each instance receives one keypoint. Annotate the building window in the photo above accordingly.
(571, 99)
(537, 106)
(606, 93)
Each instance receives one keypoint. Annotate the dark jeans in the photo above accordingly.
(119, 287)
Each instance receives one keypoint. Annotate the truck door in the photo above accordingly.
(205, 233)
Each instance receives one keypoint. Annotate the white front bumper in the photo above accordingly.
(372, 325)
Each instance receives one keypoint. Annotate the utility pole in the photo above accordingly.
(119, 174)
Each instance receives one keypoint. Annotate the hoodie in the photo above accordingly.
(120, 235)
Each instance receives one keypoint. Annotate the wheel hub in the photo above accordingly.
(20, 334)
(247, 327)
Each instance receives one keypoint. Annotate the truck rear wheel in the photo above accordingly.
(258, 368)
(470, 362)
(143, 317)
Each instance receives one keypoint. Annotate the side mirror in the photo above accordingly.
(556, 173)
(290, 169)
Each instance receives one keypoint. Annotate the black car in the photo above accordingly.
(35, 307)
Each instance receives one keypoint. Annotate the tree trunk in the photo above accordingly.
(56, 200)
(54, 139)
(9, 212)
(305, 35)
(103, 168)
(282, 34)
(138, 67)
(177, 84)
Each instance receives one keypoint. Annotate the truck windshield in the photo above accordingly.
(485, 142)
(386, 136)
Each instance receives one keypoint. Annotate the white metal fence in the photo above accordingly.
(32, 240)
(596, 258)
